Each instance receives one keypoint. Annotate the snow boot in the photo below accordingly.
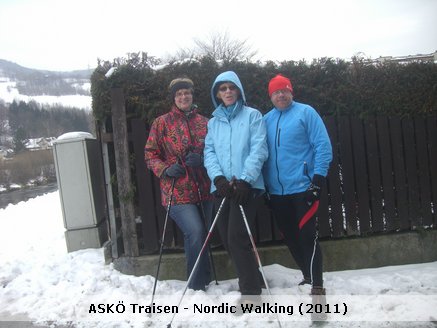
(318, 295)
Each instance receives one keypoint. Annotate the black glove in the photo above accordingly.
(267, 200)
(241, 191)
(314, 190)
(175, 171)
(224, 189)
(193, 159)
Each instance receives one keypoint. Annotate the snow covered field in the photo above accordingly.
(39, 280)
(9, 93)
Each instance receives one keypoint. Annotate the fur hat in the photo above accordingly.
(279, 82)
(178, 84)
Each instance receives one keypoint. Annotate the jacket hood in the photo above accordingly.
(228, 76)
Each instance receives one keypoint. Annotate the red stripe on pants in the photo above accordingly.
(309, 214)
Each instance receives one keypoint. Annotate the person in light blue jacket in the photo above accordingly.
(234, 154)
(299, 156)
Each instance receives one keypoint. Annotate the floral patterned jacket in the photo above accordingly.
(171, 137)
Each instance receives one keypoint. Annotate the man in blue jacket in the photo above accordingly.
(234, 154)
(299, 156)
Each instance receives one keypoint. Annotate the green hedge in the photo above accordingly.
(332, 86)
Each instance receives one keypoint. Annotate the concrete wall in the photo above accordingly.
(340, 254)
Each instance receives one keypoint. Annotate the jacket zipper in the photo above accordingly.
(277, 145)
(279, 137)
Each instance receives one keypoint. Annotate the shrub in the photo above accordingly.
(332, 86)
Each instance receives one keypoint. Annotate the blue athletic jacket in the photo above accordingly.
(235, 144)
(299, 147)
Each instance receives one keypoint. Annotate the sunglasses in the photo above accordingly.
(224, 88)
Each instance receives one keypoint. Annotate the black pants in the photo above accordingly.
(302, 242)
(235, 238)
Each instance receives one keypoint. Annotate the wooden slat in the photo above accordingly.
(423, 171)
(145, 192)
(124, 180)
(400, 173)
(323, 214)
(387, 171)
(160, 213)
(334, 183)
(347, 175)
(431, 124)
(361, 176)
(106, 137)
(374, 175)
(411, 169)
(109, 192)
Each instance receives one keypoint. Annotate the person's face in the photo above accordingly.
(281, 99)
(228, 93)
(183, 99)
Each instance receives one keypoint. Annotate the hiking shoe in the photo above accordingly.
(318, 295)
(305, 281)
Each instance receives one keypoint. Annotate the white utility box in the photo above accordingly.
(81, 189)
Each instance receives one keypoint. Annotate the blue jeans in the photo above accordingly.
(189, 219)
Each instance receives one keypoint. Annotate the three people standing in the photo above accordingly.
(288, 150)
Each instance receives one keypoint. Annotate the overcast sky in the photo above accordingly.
(67, 34)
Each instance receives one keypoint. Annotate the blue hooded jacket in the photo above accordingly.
(236, 144)
(299, 147)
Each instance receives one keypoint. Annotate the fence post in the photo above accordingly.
(124, 180)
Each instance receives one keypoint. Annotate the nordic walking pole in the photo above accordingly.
(255, 250)
(198, 258)
(162, 238)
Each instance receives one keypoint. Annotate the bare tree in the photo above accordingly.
(219, 46)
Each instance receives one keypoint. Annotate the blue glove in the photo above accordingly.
(193, 159)
(175, 171)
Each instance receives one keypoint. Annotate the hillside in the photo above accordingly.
(69, 89)
(37, 103)
(37, 106)
(33, 82)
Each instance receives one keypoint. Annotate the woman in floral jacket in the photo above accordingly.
(174, 151)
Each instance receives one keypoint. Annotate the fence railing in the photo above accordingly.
(383, 178)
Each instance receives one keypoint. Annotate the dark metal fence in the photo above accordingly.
(383, 178)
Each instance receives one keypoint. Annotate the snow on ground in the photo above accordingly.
(41, 281)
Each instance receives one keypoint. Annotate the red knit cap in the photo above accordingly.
(279, 82)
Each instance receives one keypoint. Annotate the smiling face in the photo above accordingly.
(281, 99)
(184, 99)
(228, 93)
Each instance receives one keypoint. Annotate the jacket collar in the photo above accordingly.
(180, 113)
(229, 112)
(286, 109)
